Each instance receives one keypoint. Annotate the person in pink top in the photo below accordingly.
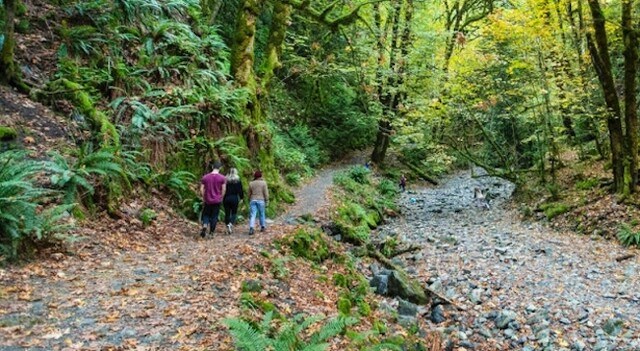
(212, 187)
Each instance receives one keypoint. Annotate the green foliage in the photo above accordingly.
(359, 174)
(340, 280)
(587, 184)
(554, 209)
(288, 335)
(628, 237)
(7, 133)
(147, 216)
(387, 188)
(344, 305)
(87, 169)
(279, 268)
(309, 244)
(21, 222)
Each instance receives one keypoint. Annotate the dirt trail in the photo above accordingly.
(160, 288)
(524, 286)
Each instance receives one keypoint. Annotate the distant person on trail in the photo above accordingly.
(212, 188)
(367, 165)
(258, 200)
(403, 183)
(232, 198)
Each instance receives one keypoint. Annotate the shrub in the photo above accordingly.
(147, 216)
(387, 188)
(359, 174)
(21, 222)
(628, 237)
(88, 166)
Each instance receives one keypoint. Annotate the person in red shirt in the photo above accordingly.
(212, 187)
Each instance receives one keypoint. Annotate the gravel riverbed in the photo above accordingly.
(519, 285)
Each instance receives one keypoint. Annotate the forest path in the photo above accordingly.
(523, 285)
(155, 288)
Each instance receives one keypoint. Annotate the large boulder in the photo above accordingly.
(401, 285)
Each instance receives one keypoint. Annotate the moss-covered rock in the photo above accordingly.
(401, 285)
(309, 244)
(7, 134)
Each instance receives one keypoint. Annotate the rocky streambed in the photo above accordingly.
(516, 285)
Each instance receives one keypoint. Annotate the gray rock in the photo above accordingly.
(401, 285)
(565, 321)
(578, 345)
(501, 250)
(437, 314)
(380, 283)
(485, 332)
(476, 296)
(613, 326)
(504, 318)
(602, 345)
(406, 308)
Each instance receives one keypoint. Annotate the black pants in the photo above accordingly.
(210, 214)
(231, 209)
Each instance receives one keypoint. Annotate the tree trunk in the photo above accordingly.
(277, 32)
(630, 40)
(602, 63)
(9, 73)
(384, 124)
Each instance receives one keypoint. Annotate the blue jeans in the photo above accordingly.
(256, 206)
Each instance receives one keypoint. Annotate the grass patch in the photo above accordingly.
(554, 209)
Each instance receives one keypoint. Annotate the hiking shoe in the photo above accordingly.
(251, 231)
(262, 229)
(203, 232)
(229, 228)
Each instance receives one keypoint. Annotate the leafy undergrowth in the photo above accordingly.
(581, 201)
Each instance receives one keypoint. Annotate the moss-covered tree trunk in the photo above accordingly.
(630, 38)
(383, 137)
(277, 32)
(9, 73)
(599, 51)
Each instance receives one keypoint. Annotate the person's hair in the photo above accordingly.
(257, 175)
(233, 176)
(216, 165)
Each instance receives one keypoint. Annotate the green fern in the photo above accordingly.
(20, 198)
(288, 337)
(88, 167)
(628, 237)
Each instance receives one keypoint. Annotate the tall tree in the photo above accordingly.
(392, 92)
(630, 39)
(598, 44)
(459, 16)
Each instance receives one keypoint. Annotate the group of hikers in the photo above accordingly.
(220, 190)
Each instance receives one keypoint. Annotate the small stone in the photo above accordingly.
(504, 318)
(613, 326)
(406, 308)
(476, 296)
(501, 250)
(437, 314)
(531, 308)
(486, 333)
(565, 321)
(578, 345)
